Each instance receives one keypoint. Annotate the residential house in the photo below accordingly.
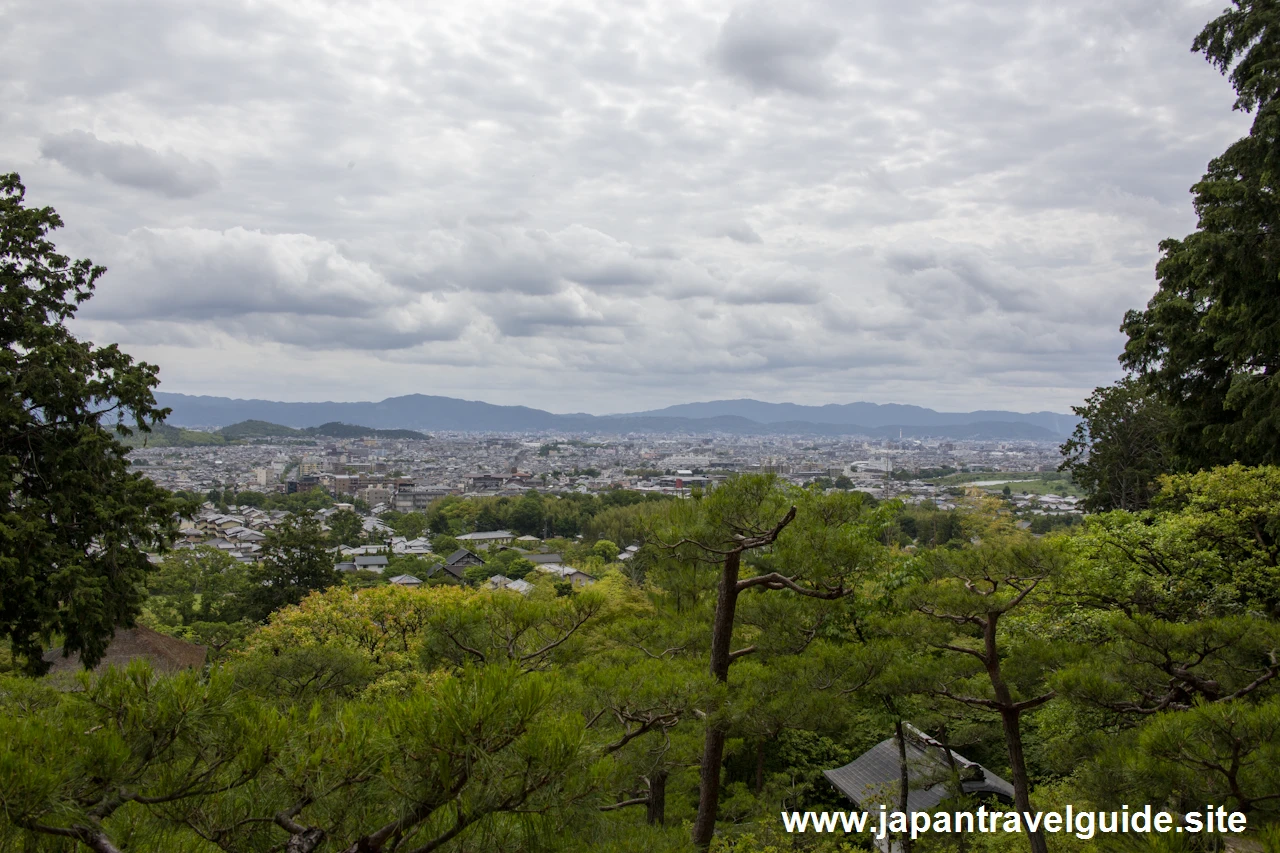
(488, 539)
(371, 562)
(406, 580)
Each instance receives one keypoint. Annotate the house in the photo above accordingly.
(503, 582)
(462, 558)
(406, 580)
(545, 559)
(574, 576)
(488, 539)
(371, 563)
(456, 564)
(528, 541)
(164, 653)
(448, 574)
(871, 779)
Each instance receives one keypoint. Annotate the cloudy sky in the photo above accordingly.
(612, 206)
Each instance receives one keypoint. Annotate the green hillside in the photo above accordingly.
(163, 435)
(335, 429)
(258, 429)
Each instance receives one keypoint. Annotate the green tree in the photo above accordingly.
(526, 516)
(346, 528)
(795, 541)
(1120, 447)
(75, 521)
(199, 584)
(1210, 547)
(295, 562)
(1207, 343)
(606, 550)
(70, 761)
(982, 658)
(410, 525)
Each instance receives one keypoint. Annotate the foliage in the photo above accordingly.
(1120, 447)
(1206, 343)
(294, 562)
(346, 528)
(75, 522)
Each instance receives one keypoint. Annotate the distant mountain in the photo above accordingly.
(415, 411)
(861, 414)
(422, 412)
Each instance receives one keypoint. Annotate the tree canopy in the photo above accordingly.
(76, 522)
(1208, 343)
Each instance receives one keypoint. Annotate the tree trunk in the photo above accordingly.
(95, 839)
(1018, 768)
(1011, 720)
(657, 808)
(904, 780)
(760, 766)
(704, 826)
(957, 784)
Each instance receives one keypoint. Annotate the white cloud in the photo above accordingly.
(609, 208)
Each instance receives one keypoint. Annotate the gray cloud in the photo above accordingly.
(741, 232)
(564, 206)
(771, 49)
(131, 165)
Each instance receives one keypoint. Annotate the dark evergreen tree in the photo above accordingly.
(75, 521)
(1208, 343)
(295, 563)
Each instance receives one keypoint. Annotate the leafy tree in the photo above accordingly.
(200, 584)
(1211, 547)
(444, 545)
(1120, 447)
(1227, 752)
(488, 518)
(410, 525)
(1206, 343)
(526, 516)
(967, 614)
(531, 633)
(507, 562)
(606, 550)
(76, 522)
(346, 528)
(73, 760)
(829, 548)
(295, 563)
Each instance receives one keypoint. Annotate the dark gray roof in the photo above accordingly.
(541, 559)
(872, 778)
(453, 571)
(462, 557)
(371, 560)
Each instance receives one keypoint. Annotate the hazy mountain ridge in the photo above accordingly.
(870, 415)
(425, 412)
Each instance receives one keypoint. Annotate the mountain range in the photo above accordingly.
(737, 417)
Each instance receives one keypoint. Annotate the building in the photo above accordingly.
(488, 539)
(872, 779)
(406, 580)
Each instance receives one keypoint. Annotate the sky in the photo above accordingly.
(616, 206)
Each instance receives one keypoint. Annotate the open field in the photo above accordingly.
(1031, 482)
